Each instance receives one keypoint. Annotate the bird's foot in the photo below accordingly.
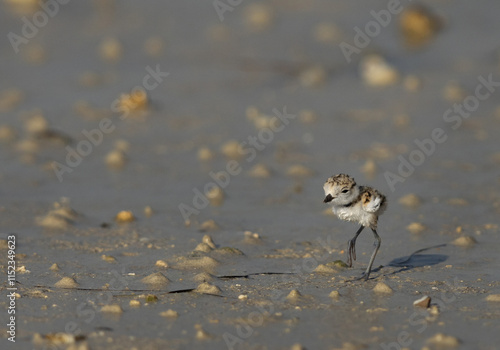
(351, 252)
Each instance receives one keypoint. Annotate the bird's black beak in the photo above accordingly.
(328, 199)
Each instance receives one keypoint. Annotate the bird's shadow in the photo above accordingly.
(416, 259)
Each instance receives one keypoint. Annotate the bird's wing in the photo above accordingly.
(373, 205)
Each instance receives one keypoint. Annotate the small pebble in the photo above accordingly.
(424, 302)
(54, 267)
(156, 278)
(418, 25)
(326, 33)
(258, 16)
(108, 258)
(169, 313)
(209, 225)
(313, 77)
(209, 241)
(125, 216)
(116, 159)
(321, 268)
(205, 154)
(112, 308)
(148, 211)
(203, 277)
(260, 171)
(207, 288)
(369, 169)
(203, 247)
(66, 282)
(410, 200)
(110, 50)
(242, 297)
(154, 46)
(161, 263)
(232, 149)
(415, 227)
(299, 170)
(134, 303)
(294, 295)
(382, 288)
(375, 71)
(215, 195)
(464, 241)
(443, 340)
(297, 346)
(493, 297)
(334, 294)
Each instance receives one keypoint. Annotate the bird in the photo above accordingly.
(361, 204)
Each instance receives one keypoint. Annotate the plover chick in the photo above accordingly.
(361, 204)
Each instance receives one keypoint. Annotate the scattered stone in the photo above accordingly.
(260, 171)
(232, 149)
(112, 309)
(410, 200)
(151, 298)
(375, 71)
(434, 310)
(161, 263)
(209, 241)
(443, 340)
(110, 50)
(457, 201)
(209, 225)
(66, 282)
(258, 16)
(156, 278)
(169, 313)
(10, 98)
(125, 216)
(453, 92)
(464, 241)
(251, 237)
(229, 251)
(297, 346)
(205, 154)
(313, 76)
(60, 218)
(7, 134)
(424, 302)
(418, 25)
(134, 303)
(148, 211)
(324, 269)
(204, 262)
(154, 46)
(415, 227)
(307, 116)
(36, 125)
(337, 263)
(203, 247)
(203, 277)
(369, 168)
(493, 297)
(207, 288)
(242, 297)
(108, 258)
(299, 170)
(54, 267)
(215, 195)
(294, 295)
(412, 83)
(382, 288)
(55, 339)
(116, 159)
(326, 33)
(334, 294)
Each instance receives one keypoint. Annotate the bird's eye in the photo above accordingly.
(345, 191)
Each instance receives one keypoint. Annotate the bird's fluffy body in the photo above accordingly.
(350, 202)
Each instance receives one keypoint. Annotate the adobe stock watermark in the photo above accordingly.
(372, 29)
(246, 327)
(93, 138)
(233, 168)
(222, 6)
(31, 27)
(454, 115)
(419, 318)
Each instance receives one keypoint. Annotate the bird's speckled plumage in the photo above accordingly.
(360, 204)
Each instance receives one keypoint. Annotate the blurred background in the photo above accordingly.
(129, 111)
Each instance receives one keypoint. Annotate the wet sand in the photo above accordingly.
(123, 241)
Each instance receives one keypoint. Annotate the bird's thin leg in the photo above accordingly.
(377, 246)
(351, 247)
